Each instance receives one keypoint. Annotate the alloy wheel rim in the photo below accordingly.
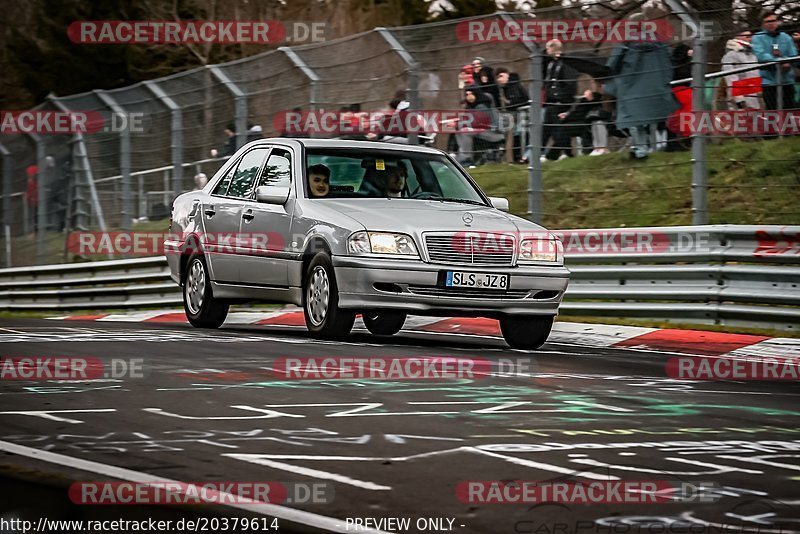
(318, 296)
(195, 287)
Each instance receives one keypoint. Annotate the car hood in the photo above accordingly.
(414, 217)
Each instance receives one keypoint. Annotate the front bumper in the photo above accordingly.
(414, 287)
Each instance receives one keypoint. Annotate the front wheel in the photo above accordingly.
(321, 309)
(202, 309)
(384, 323)
(526, 332)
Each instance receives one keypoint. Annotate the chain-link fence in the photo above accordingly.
(158, 135)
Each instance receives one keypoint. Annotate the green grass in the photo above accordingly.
(749, 183)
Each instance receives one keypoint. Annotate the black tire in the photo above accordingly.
(202, 309)
(527, 331)
(323, 316)
(384, 323)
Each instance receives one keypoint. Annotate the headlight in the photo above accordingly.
(381, 243)
(541, 250)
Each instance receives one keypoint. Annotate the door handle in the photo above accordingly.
(248, 215)
(209, 211)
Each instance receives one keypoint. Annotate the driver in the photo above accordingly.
(395, 181)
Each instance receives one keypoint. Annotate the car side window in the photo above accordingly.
(222, 187)
(246, 172)
(278, 170)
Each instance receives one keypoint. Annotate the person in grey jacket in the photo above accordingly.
(740, 54)
(641, 84)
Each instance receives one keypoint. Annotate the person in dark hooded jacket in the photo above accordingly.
(512, 97)
(486, 83)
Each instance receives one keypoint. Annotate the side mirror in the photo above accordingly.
(272, 194)
(499, 203)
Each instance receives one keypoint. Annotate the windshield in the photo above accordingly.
(358, 173)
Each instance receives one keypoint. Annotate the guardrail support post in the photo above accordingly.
(177, 135)
(240, 103)
(412, 92)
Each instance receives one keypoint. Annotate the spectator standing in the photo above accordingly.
(641, 84)
(560, 88)
(739, 54)
(770, 44)
(512, 97)
(200, 181)
(254, 132)
(230, 144)
(32, 194)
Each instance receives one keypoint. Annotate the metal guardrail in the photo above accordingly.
(722, 274)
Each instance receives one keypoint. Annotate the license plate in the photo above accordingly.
(476, 280)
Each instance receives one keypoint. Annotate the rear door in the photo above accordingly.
(265, 228)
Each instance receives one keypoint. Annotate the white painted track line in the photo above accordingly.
(330, 524)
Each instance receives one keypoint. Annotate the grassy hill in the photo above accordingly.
(749, 183)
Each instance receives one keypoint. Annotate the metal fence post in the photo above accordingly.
(239, 101)
(6, 170)
(124, 158)
(534, 134)
(312, 76)
(699, 141)
(82, 168)
(41, 197)
(535, 189)
(412, 92)
(8, 165)
(699, 145)
(176, 142)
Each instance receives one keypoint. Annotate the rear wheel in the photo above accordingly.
(527, 331)
(323, 316)
(202, 309)
(384, 323)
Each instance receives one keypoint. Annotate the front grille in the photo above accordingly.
(428, 291)
(463, 249)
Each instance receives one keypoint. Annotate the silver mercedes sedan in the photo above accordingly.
(349, 227)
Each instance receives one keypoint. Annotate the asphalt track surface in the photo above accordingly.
(210, 408)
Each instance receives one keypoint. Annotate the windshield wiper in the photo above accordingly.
(460, 200)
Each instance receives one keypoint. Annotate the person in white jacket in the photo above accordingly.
(740, 54)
